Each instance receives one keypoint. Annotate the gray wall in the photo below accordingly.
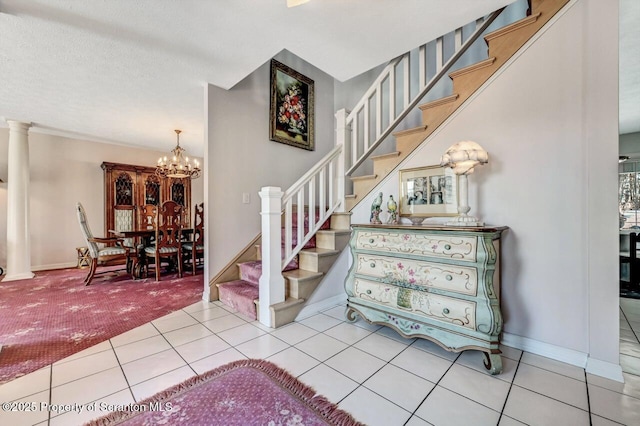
(242, 159)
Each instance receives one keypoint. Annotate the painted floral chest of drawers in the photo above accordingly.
(439, 283)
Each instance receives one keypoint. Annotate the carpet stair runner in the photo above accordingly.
(301, 275)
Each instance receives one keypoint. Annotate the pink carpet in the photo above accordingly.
(54, 315)
(244, 393)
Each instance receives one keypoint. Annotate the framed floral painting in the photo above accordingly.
(428, 191)
(291, 112)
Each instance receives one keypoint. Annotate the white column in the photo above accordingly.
(271, 281)
(18, 238)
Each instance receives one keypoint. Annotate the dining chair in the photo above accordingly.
(168, 227)
(147, 220)
(103, 251)
(148, 215)
(194, 249)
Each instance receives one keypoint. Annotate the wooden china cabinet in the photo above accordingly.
(127, 188)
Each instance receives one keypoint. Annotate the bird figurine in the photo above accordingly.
(392, 208)
(375, 210)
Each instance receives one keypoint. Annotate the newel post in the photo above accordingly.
(342, 137)
(271, 281)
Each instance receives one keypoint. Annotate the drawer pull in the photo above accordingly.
(447, 247)
(368, 291)
(371, 240)
(445, 311)
(373, 264)
(448, 277)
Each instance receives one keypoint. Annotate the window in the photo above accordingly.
(629, 195)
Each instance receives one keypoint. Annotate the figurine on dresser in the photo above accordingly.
(376, 208)
(392, 209)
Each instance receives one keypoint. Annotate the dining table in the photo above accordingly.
(142, 238)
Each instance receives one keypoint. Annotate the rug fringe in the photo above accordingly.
(318, 403)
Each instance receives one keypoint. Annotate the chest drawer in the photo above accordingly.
(420, 244)
(459, 279)
(434, 306)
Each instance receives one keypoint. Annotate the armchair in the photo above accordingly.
(112, 250)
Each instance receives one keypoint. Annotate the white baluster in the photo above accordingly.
(365, 131)
(322, 190)
(301, 207)
(379, 110)
(342, 136)
(354, 139)
(392, 94)
(312, 204)
(422, 63)
(407, 88)
(439, 53)
(458, 39)
(288, 225)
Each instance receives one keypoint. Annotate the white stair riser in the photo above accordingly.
(332, 240)
(312, 262)
(302, 288)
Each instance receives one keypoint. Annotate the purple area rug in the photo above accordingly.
(54, 315)
(247, 392)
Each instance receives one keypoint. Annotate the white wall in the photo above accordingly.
(242, 159)
(549, 123)
(64, 171)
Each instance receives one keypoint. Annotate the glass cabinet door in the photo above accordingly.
(124, 208)
(179, 195)
(152, 190)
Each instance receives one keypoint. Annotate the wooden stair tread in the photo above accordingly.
(301, 274)
(316, 251)
(471, 68)
(365, 177)
(385, 156)
(410, 131)
(289, 301)
(438, 102)
(512, 27)
(334, 231)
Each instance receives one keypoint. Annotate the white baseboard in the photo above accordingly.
(323, 305)
(54, 266)
(591, 365)
(605, 369)
(548, 350)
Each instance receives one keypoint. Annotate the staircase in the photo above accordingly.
(301, 275)
(267, 283)
(501, 45)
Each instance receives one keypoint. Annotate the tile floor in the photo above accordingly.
(379, 377)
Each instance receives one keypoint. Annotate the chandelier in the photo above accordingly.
(178, 166)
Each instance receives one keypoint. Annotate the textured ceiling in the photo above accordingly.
(132, 71)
